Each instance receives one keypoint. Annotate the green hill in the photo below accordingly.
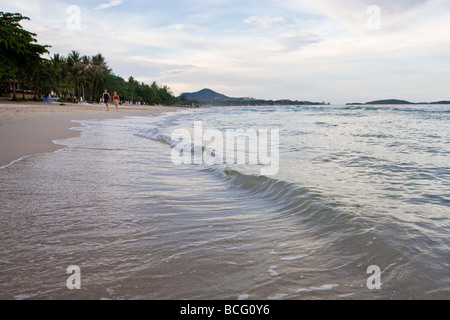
(206, 96)
(389, 101)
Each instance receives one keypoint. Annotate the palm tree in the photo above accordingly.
(132, 85)
(58, 64)
(76, 73)
(99, 70)
(86, 65)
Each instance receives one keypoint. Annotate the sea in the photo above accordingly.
(316, 202)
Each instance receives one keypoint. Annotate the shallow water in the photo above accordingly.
(357, 186)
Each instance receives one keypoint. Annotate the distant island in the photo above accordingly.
(210, 97)
(395, 102)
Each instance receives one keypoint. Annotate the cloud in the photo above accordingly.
(297, 49)
(265, 22)
(281, 34)
(187, 27)
(354, 15)
(112, 3)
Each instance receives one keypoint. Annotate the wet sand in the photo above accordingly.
(30, 128)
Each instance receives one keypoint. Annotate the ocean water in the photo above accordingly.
(355, 187)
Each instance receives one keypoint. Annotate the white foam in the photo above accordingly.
(326, 287)
(272, 272)
(292, 258)
(130, 241)
(110, 291)
(243, 297)
(278, 296)
(13, 162)
(273, 252)
(301, 290)
(37, 154)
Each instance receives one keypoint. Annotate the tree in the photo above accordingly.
(47, 78)
(58, 71)
(76, 73)
(72, 77)
(116, 83)
(19, 51)
(98, 72)
(132, 85)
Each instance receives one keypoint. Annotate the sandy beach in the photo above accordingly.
(30, 128)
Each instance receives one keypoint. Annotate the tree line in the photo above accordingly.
(72, 78)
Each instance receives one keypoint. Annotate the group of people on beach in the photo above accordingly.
(106, 97)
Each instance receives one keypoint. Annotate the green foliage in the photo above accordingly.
(20, 55)
(115, 83)
(72, 77)
(75, 76)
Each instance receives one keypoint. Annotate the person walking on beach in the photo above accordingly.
(116, 100)
(106, 98)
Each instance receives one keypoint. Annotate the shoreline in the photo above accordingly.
(29, 128)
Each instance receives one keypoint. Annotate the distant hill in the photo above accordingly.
(389, 101)
(395, 101)
(441, 102)
(208, 96)
(205, 96)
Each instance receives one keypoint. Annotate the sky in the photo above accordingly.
(335, 51)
